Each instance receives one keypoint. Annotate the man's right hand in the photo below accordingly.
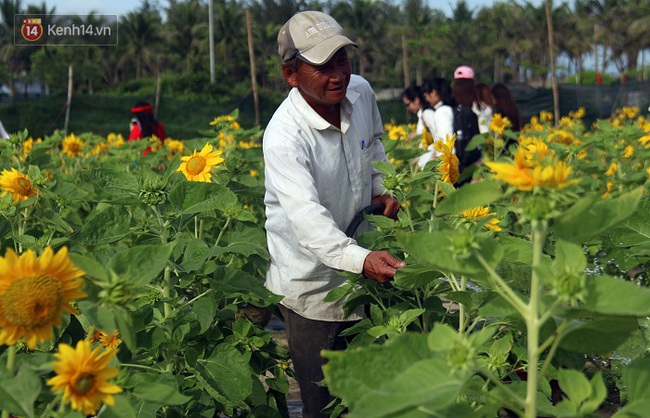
(381, 266)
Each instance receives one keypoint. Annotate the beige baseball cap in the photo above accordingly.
(311, 36)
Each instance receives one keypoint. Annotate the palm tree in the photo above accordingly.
(230, 38)
(365, 22)
(14, 60)
(185, 34)
(140, 30)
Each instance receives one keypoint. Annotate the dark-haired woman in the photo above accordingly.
(415, 102)
(146, 125)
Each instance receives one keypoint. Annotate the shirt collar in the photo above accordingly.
(315, 120)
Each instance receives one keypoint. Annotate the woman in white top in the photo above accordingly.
(415, 103)
(437, 92)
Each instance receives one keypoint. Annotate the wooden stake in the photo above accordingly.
(251, 56)
(68, 101)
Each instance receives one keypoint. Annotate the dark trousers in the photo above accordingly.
(306, 338)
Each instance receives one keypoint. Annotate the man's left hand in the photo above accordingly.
(392, 206)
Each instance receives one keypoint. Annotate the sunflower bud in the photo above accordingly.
(153, 191)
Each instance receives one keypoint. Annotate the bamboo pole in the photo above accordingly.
(405, 62)
(157, 98)
(66, 122)
(211, 40)
(551, 54)
(251, 57)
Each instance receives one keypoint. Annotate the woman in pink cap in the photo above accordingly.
(465, 121)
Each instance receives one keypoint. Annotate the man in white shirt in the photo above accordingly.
(318, 149)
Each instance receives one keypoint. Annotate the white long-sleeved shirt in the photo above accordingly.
(317, 178)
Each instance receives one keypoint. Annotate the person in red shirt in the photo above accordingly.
(146, 124)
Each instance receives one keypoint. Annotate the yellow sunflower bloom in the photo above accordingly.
(82, 374)
(34, 293)
(72, 146)
(174, 146)
(397, 133)
(448, 166)
(480, 212)
(499, 123)
(628, 152)
(110, 340)
(17, 184)
(197, 166)
(613, 167)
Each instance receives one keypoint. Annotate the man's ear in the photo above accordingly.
(290, 75)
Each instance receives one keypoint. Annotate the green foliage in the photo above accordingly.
(169, 263)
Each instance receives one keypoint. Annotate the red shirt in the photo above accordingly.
(158, 130)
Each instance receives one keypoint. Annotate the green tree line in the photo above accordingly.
(398, 42)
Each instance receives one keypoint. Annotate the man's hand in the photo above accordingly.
(381, 266)
(391, 204)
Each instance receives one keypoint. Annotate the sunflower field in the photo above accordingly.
(126, 271)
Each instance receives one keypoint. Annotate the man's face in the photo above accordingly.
(326, 84)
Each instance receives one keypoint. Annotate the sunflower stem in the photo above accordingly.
(462, 320)
(225, 226)
(533, 324)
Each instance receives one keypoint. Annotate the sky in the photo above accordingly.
(122, 7)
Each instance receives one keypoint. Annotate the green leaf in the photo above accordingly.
(91, 267)
(600, 336)
(634, 409)
(18, 396)
(226, 375)
(612, 296)
(469, 196)
(205, 308)
(195, 255)
(141, 264)
(452, 253)
(108, 226)
(121, 409)
(415, 276)
(159, 393)
(236, 283)
(191, 197)
(636, 378)
(429, 382)
(445, 187)
(587, 220)
(384, 167)
(352, 374)
(124, 323)
(575, 385)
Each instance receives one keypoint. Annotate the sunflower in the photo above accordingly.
(82, 374)
(449, 162)
(110, 340)
(17, 184)
(34, 292)
(73, 146)
(499, 123)
(480, 212)
(197, 166)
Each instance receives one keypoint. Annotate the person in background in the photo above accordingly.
(145, 124)
(465, 122)
(484, 107)
(437, 92)
(505, 105)
(415, 103)
(318, 151)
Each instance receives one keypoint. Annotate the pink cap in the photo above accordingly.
(464, 71)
